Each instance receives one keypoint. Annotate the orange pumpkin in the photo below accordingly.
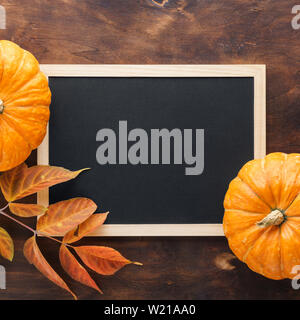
(262, 215)
(24, 104)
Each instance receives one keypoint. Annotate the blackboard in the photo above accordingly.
(205, 124)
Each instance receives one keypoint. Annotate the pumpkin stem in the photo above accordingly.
(274, 218)
(1, 106)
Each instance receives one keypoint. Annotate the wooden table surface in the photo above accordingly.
(163, 32)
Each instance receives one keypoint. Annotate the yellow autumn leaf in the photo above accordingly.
(6, 245)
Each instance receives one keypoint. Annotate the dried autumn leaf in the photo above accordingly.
(9, 180)
(103, 260)
(74, 269)
(6, 245)
(63, 216)
(27, 210)
(35, 257)
(86, 227)
(23, 181)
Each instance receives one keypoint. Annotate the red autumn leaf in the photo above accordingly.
(63, 216)
(86, 227)
(35, 257)
(23, 181)
(74, 269)
(6, 245)
(103, 260)
(27, 210)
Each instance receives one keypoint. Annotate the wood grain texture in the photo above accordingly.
(163, 32)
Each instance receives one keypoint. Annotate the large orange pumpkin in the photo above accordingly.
(24, 104)
(262, 215)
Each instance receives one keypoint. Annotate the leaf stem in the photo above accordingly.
(27, 227)
(15, 220)
(7, 205)
(47, 236)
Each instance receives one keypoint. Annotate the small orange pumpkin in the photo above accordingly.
(262, 215)
(24, 104)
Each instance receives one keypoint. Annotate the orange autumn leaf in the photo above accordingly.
(27, 210)
(103, 260)
(9, 180)
(63, 216)
(23, 181)
(6, 245)
(35, 257)
(74, 269)
(86, 227)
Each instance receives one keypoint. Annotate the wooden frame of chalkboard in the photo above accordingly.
(258, 72)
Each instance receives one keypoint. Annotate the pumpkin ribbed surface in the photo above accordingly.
(24, 104)
(262, 215)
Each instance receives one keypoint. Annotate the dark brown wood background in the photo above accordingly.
(164, 32)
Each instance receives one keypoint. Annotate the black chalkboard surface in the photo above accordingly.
(162, 141)
(152, 193)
